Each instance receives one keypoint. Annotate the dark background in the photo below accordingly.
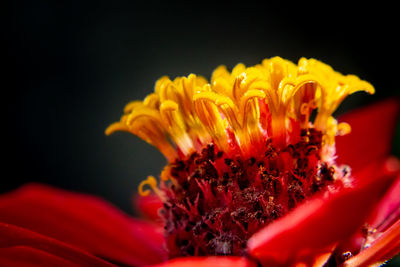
(73, 65)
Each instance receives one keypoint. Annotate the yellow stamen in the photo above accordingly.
(248, 108)
(152, 101)
(343, 128)
(175, 125)
(151, 182)
(334, 88)
(149, 114)
(254, 103)
(132, 105)
(224, 103)
(165, 173)
(116, 126)
(210, 117)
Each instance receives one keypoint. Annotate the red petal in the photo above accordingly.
(316, 226)
(383, 248)
(208, 261)
(388, 210)
(83, 221)
(21, 247)
(372, 131)
(29, 257)
(148, 206)
(384, 215)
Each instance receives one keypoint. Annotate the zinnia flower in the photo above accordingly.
(258, 173)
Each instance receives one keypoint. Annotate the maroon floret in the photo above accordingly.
(217, 201)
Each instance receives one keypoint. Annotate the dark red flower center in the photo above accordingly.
(217, 201)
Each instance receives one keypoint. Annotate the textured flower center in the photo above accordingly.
(220, 199)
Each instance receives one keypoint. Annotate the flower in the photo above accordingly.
(259, 172)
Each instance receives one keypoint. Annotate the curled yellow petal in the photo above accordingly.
(150, 182)
(132, 105)
(116, 126)
(247, 103)
(343, 128)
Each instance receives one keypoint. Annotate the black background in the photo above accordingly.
(72, 66)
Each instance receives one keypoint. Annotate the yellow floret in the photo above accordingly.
(185, 114)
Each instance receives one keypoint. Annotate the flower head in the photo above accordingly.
(243, 149)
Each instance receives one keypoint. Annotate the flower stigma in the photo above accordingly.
(243, 149)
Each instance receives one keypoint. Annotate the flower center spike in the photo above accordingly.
(241, 149)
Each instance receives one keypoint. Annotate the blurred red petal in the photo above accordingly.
(208, 261)
(384, 215)
(371, 135)
(316, 226)
(29, 257)
(388, 210)
(148, 206)
(84, 221)
(21, 247)
(382, 249)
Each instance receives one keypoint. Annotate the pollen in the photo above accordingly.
(243, 149)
